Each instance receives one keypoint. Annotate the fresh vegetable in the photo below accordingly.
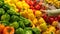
(28, 28)
(21, 24)
(1, 3)
(11, 12)
(42, 26)
(36, 4)
(5, 23)
(37, 7)
(55, 23)
(2, 11)
(14, 18)
(1, 27)
(27, 23)
(51, 19)
(6, 7)
(36, 31)
(8, 30)
(28, 31)
(15, 25)
(20, 31)
(24, 22)
(58, 17)
(5, 17)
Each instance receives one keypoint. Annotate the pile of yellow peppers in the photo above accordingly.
(56, 3)
(17, 4)
(36, 19)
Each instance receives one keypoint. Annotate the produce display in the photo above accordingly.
(29, 16)
(56, 3)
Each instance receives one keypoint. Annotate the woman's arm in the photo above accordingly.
(53, 12)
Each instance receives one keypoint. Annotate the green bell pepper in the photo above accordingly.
(15, 25)
(5, 17)
(19, 31)
(28, 32)
(2, 11)
(36, 31)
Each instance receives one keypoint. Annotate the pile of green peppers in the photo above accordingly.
(9, 17)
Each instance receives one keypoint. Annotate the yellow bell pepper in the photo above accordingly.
(19, 4)
(28, 14)
(31, 16)
(56, 3)
(55, 23)
(24, 14)
(25, 5)
(30, 11)
(7, 1)
(15, 1)
(41, 20)
(43, 26)
(38, 14)
(52, 29)
(35, 21)
(48, 32)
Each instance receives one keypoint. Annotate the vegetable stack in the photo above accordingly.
(14, 22)
(28, 17)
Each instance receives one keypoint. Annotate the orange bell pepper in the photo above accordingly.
(8, 30)
(1, 27)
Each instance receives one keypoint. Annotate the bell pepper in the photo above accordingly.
(28, 32)
(30, 11)
(55, 23)
(43, 26)
(14, 18)
(35, 21)
(2, 11)
(28, 28)
(38, 13)
(15, 1)
(19, 31)
(24, 14)
(7, 1)
(5, 23)
(1, 27)
(36, 31)
(25, 5)
(19, 4)
(6, 7)
(48, 32)
(1, 3)
(8, 30)
(41, 20)
(27, 23)
(5, 17)
(21, 24)
(52, 28)
(31, 16)
(14, 24)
